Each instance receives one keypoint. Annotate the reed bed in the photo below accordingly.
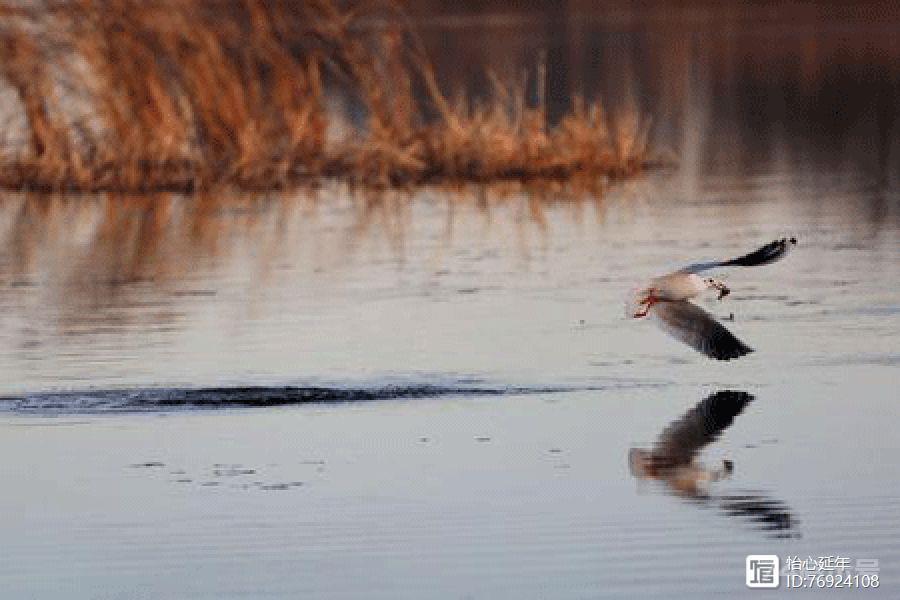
(181, 95)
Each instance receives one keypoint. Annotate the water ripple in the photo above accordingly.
(210, 398)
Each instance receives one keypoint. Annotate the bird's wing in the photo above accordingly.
(680, 441)
(698, 329)
(761, 256)
(768, 514)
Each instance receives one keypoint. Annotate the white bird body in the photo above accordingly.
(666, 298)
(677, 286)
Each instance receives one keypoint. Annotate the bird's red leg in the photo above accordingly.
(647, 302)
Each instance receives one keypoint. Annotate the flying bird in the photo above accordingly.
(667, 299)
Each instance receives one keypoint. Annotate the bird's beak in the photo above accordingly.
(723, 291)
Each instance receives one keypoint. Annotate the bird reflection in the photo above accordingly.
(673, 461)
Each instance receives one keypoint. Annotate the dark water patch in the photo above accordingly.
(228, 475)
(280, 486)
(212, 398)
(22, 284)
(802, 302)
(754, 297)
(194, 293)
(233, 471)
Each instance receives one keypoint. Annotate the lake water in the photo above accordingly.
(437, 394)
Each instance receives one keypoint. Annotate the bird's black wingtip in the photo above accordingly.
(733, 352)
(764, 255)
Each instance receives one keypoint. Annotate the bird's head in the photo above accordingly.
(715, 284)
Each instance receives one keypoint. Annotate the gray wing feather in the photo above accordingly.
(698, 329)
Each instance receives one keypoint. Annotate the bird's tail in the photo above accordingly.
(767, 254)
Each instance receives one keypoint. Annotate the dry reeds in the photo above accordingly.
(184, 95)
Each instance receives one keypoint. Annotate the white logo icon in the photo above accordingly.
(762, 571)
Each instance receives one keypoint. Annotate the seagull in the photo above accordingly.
(667, 299)
(673, 458)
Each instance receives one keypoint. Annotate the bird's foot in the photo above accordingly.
(646, 303)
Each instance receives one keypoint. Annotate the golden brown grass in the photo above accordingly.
(185, 95)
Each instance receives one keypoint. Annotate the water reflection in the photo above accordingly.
(105, 254)
(127, 277)
(109, 260)
(765, 513)
(673, 461)
(126, 290)
(730, 88)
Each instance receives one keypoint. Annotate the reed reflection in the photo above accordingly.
(116, 260)
(119, 260)
(113, 260)
(673, 461)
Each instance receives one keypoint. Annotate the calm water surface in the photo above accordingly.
(336, 395)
